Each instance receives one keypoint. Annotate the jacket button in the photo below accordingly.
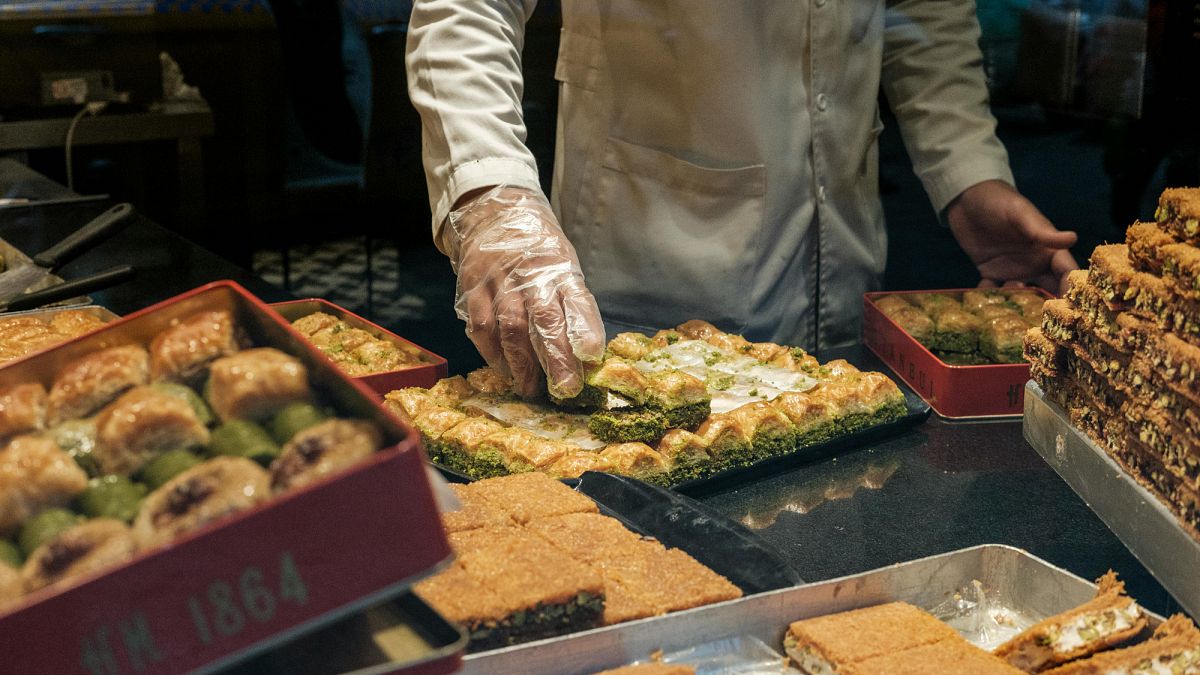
(820, 3)
(822, 102)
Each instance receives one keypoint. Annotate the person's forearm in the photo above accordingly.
(934, 81)
(464, 78)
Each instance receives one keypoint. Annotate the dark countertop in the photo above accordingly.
(942, 486)
(939, 487)
(165, 264)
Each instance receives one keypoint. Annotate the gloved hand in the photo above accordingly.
(1008, 239)
(521, 292)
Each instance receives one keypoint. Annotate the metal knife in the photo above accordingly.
(15, 281)
(69, 289)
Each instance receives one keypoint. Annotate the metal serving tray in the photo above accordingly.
(1143, 523)
(401, 636)
(987, 592)
(15, 257)
(424, 374)
(257, 578)
(47, 313)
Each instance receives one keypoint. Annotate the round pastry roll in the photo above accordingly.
(184, 351)
(323, 449)
(574, 463)
(91, 382)
(22, 408)
(35, 474)
(142, 424)
(11, 588)
(88, 547)
(254, 383)
(217, 488)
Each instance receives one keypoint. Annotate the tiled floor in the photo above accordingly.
(411, 290)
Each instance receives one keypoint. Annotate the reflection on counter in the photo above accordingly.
(839, 479)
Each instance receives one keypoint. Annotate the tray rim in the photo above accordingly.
(1162, 561)
(611, 636)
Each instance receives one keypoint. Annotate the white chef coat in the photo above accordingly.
(716, 159)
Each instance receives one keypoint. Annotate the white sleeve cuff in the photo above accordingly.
(478, 174)
(944, 186)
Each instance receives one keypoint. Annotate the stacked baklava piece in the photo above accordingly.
(680, 405)
(1121, 353)
(537, 559)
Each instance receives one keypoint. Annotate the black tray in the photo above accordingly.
(725, 546)
(917, 411)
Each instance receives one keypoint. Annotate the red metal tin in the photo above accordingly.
(425, 374)
(256, 579)
(994, 390)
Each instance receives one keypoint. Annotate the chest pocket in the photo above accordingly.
(674, 240)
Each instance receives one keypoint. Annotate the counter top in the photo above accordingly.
(941, 486)
(165, 264)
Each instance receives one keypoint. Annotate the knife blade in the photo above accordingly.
(69, 289)
(15, 281)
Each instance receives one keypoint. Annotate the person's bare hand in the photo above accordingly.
(521, 292)
(1008, 238)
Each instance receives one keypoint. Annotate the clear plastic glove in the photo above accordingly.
(521, 291)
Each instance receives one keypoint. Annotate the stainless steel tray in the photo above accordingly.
(987, 592)
(15, 257)
(1143, 523)
(46, 313)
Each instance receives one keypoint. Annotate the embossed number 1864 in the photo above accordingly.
(226, 607)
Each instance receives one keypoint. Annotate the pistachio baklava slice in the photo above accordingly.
(1046, 357)
(687, 454)
(1176, 362)
(1001, 339)
(1181, 269)
(667, 580)
(544, 591)
(891, 304)
(637, 460)
(528, 496)
(914, 322)
(1145, 242)
(575, 462)
(1029, 302)
(1108, 619)
(837, 643)
(1179, 211)
(590, 538)
(934, 304)
(464, 448)
(955, 330)
(645, 398)
(474, 512)
(976, 299)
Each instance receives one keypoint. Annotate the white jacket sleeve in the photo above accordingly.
(464, 78)
(934, 81)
